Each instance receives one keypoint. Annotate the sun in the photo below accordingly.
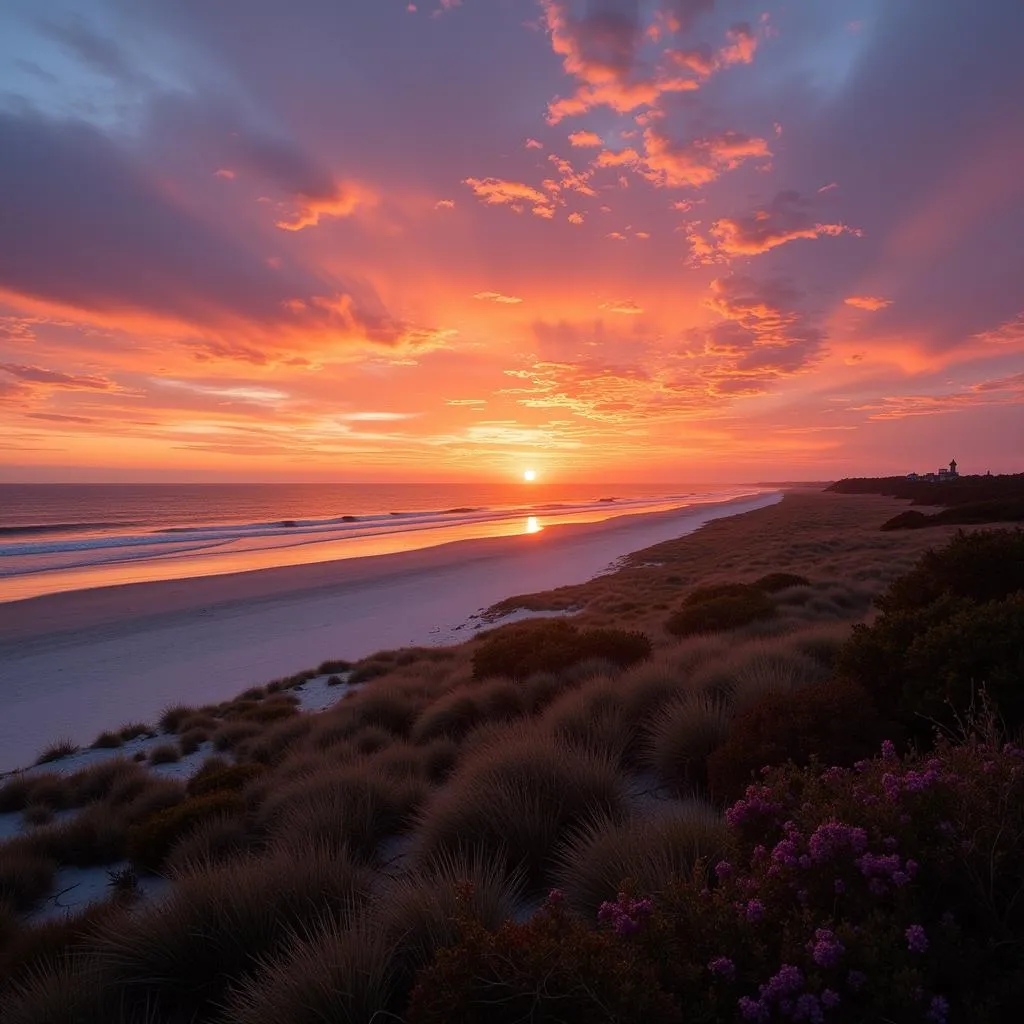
(529, 475)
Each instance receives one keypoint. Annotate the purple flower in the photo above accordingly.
(917, 941)
(754, 1009)
(829, 999)
(723, 869)
(723, 967)
(888, 750)
(785, 853)
(938, 1010)
(556, 897)
(626, 915)
(832, 838)
(786, 982)
(826, 950)
(808, 1008)
(754, 910)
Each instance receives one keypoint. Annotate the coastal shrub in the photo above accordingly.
(165, 753)
(152, 838)
(776, 581)
(26, 874)
(602, 856)
(57, 751)
(682, 737)
(518, 651)
(107, 741)
(214, 778)
(716, 614)
(346, 809)
(836, 722)
(513, 799)
(551, 967)
(986, 565)
(762, 668)
(214, 928)
(337, 974)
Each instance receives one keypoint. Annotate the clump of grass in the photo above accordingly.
(26, 874)
(215, 777)
(171, 718)
(61, 749)
(49, 789)
(451, 717)
(192, 740)
(211, 843)
(275, 742)
(773, 582)
(217, 926)
(334, 680)
(650, 854)
(99, 781)
(681, 738)
(718, 609)
(133, 730)
(37, 814)
(253, 693)
(593, 717)
(513, 798)
(327, 668)
(107, 741)
(150, 840)
(332, 973)
(347, 808)
(232, 734)
(165, 753)
(94, 836)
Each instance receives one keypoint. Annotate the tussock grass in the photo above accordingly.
(217, 777)
(513, 799)
(107, 741)
(215, 926)
(69, 990)
(37, 814)
(152, 839)
(133, 730)
(682, 736)
(432, 762)
(275, 742)
(61, 749)
(165, 753)
(96, 835)
(191, 740)
(232, 734)
(26, 873)
(594, 718)
(46, 789)
(602, 854)
(331, 973)
(343, 809)
(171, 717)
(211, 843)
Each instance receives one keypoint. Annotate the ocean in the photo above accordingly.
(59, 537)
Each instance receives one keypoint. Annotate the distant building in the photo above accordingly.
(942, 474)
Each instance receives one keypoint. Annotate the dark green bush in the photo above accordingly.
(150, 840)
(720, 612)
(553, 646)
(836, 722)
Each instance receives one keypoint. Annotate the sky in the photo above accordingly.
(611, 240)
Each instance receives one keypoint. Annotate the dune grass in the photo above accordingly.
(681, 738)
(26, 873)
(57, 751)
(601, 855)
(513, 799)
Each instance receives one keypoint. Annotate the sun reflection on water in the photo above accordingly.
(533, 525)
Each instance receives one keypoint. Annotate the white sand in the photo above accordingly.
(72, 665)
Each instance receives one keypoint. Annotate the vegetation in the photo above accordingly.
(724, 824)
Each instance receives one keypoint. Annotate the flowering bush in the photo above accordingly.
(893, 890)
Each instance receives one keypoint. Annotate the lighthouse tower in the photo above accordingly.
(952, 468)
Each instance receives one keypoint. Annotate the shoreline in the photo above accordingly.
(71, 663)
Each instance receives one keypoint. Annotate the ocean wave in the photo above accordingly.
(45, 528)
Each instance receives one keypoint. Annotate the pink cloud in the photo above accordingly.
(342, 200)
(56, 379)
(498, 192)
(871, 303)
(585, 140)
(700, 160)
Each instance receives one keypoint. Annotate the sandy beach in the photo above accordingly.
(73, 664)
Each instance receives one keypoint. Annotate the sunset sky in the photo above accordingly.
(616, 240)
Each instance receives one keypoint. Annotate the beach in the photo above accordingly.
(76, 663)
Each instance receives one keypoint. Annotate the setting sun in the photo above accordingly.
(529, 475)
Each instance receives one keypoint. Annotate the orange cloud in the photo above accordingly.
(508, 300)
(872, 303)
(342, 201)
(444, 204)
(575, 218)
(698, 161)
(1009, 333)
(626, 306)
(57, 379)
(575, 181)
(585, 140)
(609, 158)
(534, 144)
(498, 192)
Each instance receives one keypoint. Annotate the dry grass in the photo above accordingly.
(26, 874)
(211, 843)
(215, 926)
(513, 798)
(61, 749)
(594, 718)
(603, 854)
(682, 736)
